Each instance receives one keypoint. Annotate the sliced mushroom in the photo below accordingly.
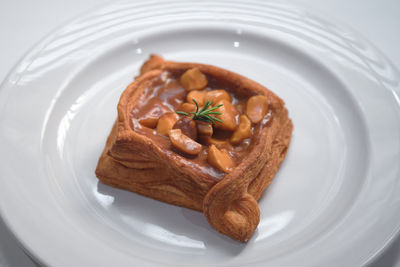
(187, 126)
(228, 116)
(150, 122)
(193, 79)
(166, 122)
(187, 107)
(204, 131)
(204, 128)
(243, 131)
(257, 108)
(217, 95)
(196, 95)
(184, 143)
(220, 159)
(152, 115)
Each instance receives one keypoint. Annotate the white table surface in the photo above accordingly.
(24, 22)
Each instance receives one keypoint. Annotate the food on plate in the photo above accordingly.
(198, 136)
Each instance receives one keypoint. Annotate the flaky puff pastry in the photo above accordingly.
(135, 162)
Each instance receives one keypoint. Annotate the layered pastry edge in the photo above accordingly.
(134, 162)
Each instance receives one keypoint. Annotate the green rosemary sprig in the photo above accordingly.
(204, 114)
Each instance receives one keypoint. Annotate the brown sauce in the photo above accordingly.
(166, 94)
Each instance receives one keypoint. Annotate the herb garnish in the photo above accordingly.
(205, 113)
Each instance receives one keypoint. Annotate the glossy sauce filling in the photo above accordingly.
(166, 94)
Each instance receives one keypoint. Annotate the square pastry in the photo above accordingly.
(198, 136)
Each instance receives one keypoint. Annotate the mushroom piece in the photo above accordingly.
(150, 119)
(166, 122)
(196, 95)
(204, 131)
(220, 159)
(257, 108)
(187, 107)
(184, 143)
(193, 79)
(243, 131)
(217, 95)
(228, 116)
(204, 128)
(187, 126)
(150, 122)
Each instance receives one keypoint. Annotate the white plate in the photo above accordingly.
(334, 202)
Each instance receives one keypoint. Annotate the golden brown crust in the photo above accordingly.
(231, 206)
(134, 162)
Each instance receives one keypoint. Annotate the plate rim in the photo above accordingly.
(37, 47)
